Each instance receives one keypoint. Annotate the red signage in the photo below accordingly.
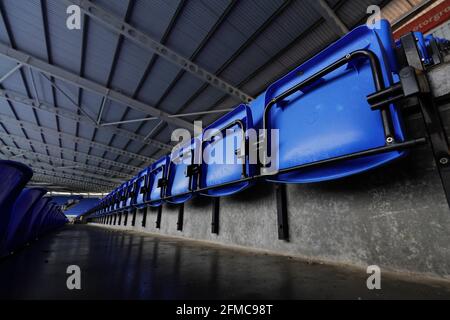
(428, 21)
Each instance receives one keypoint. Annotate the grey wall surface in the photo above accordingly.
(396, 217)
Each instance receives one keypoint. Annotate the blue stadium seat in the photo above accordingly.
(321, 109)
(141, 189)
(20, 217)
(112, 200)
(117, 198)
(130, 193)
(182, 172)
(38, 211)
(82, 206)
(41, 225)
(225, 158)
(123, 196)
(157, 181)
(14, 177)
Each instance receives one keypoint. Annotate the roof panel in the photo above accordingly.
(65, 44)
(27, 30)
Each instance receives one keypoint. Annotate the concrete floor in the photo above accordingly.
(129, 265)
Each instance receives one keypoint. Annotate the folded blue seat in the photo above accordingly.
(38, 211)
(28, 205)
(123, 196)
(140, 189)
(41, 226)
(20, 215)
(130, 193)
(39, 218)
(225, 158)
(322, 113)
(112, 201)
(182, 174)
(14, 177)
(157, 181)
(117, 198)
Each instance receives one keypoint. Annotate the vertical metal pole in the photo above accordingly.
(133, 221)
(282, 217)
(215, 215)
(180, 217)
(120, 218)
(125, 221)
(158, 217)
(144, 217)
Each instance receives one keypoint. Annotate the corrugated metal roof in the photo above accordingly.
(248, 43)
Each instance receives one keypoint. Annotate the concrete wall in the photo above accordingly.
(396, 217)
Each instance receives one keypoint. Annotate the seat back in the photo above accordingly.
(182, 174)
(41, 226)
(321, 109)
(141, 189)
(21, 216)
(157, 181)
(131, 193)
(225, 157)
(24, 230)
(14, 177)
(123, 195)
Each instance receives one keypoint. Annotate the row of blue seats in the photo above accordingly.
(327, 130)
(25, 213)
(82, 206)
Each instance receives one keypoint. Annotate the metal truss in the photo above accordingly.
(55, 133)
(63, 113)
(65, 163)
(330, 16)
(143, 40)
(68, 152)
(89, 85)
(72, 185)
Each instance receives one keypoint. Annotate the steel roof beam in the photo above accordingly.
(67, 183)
(48, 131)
(330, 16)
(86, 84)
(13, 96)
(69, 163)
(80, 175)
(72, 177)
(66, 151)
(143, 40)
(10, 72)
(181, 115)
(37, 167)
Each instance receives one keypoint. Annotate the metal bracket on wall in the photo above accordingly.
(438, 140)
(282, 212)
(180, 217)
(125, 222)
(215, 215)
(414, 84)
(133, 221)
(158, 217)
(144, 217)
